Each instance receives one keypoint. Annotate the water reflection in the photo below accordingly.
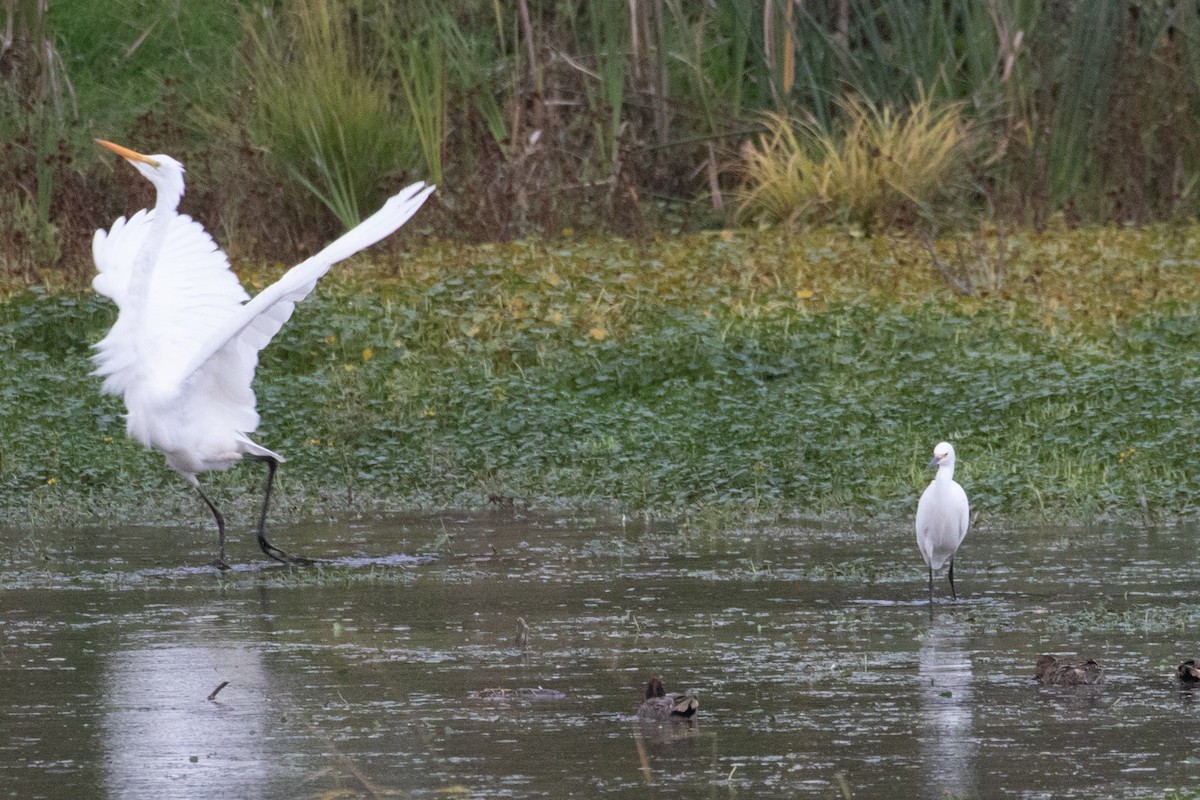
(947, 739)
(164, 738)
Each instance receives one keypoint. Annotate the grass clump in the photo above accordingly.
(883, 168)
(324, 114)
(1131, 620)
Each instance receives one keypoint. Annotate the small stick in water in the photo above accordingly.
(221, 686)
(522, 637)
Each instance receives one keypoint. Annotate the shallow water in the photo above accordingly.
(818, 668)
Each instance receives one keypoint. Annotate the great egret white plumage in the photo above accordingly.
(943, 515)
(185, 345)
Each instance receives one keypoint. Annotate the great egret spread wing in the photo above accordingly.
(253, 325)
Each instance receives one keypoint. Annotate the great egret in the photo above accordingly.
(185, 344)
(664, 706)
(943, 514)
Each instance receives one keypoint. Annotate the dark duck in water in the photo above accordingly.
(664, 706)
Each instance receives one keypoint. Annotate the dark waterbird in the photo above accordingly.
(1188, 672)
(664, 706)
(1054, 671)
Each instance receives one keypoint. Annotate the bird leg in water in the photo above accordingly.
(953, 596)
(270, 550)
(220, 562)
(930, 594)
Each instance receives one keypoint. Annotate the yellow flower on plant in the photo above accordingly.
(368, 353)
(51, 481)
(349, 367)
(330, 339)
(428, 413)
(805, 294)
(599, 334)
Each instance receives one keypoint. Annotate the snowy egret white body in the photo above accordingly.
(943, 514)
(185, 345)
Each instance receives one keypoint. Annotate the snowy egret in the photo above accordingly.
(1054, 671)
(943, 514)
(664, 706)
(185, 345)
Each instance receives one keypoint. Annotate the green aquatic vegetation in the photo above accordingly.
(323, 576)
(860, 570)
(717, 377)
(1130, 620)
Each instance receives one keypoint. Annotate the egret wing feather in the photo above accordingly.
(190, 290)
(237, 341)
(943, 515)
(964, 513)
(114, 252)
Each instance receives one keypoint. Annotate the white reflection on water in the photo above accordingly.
(164, 738)
(946, 737)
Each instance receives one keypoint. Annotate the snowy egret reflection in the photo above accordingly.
(947, 735)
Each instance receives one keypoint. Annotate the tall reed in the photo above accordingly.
(324, 112)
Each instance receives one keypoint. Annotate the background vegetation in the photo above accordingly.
(540, 115)
(844, 231)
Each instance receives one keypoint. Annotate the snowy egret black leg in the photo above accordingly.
(270, 550)
(931, 592)
(953, 596)
(219, 563)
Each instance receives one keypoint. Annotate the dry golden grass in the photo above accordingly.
(884, 168)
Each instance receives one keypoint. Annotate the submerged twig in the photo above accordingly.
(643, 758)
(962, 277)
(522, 638)
(220, 686)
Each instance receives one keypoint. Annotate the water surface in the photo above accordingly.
(811, 648)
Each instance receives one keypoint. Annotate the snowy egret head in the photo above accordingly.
(163, 171)
(943, 454)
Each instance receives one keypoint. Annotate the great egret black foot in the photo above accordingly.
(271, 551)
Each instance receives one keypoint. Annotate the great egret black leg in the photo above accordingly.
(953, 596)
(270, 550)
(219, 563)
